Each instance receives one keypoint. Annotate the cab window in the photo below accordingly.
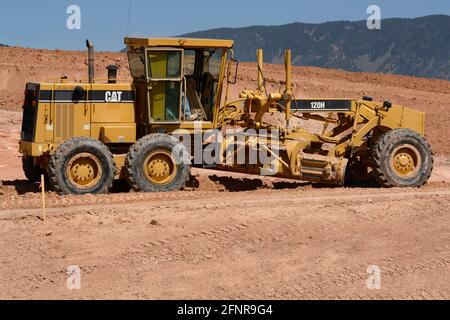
(213, 60)
(137, 64)
(164, 64)
(164, 73)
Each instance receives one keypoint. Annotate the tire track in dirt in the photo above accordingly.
(216, 225)
(356, 276)
(56, 201)
(315, 285)
(226, 237)
(217, 241)
(210, 239)
(193, 199)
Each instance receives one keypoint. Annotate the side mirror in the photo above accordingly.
(236, 62)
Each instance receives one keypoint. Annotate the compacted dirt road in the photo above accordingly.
(267, 243)
(227, 236)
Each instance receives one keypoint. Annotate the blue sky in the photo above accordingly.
(42, 24)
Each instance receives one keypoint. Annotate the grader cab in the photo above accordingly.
(176, 113)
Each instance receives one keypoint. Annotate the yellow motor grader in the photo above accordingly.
(176, 113)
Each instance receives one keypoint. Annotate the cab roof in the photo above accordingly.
(178, 42)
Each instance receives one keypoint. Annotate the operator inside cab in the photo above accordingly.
(201, 69)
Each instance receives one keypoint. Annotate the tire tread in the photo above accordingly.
(132, 159)
(379, 151)
(57, 161)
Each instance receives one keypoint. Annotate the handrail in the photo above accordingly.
(85, 81)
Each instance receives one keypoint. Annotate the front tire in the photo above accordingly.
(82, 166)
(158, 162)
(402, 158)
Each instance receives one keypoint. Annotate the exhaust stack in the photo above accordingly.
(91, 61)
(260, 61)
(288, 91)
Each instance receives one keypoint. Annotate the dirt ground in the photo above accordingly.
(228, 236)
(267, 241)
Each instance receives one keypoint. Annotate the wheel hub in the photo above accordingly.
(84, 170)
(405, 160)
(159, 167)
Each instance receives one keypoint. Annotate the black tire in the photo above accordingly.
(59, 162)
(384, 151)
(139, 153)
(32, 172)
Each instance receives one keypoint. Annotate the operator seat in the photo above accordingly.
(194, 100)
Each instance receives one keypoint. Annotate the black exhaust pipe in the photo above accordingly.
(91, 61)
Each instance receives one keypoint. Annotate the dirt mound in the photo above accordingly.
(19, 65)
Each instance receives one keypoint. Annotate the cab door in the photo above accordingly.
(164, 74)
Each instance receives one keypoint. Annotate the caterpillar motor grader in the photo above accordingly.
(85, 134)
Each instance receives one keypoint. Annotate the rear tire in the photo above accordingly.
(82, 166)
(402, 158)
(156, 163)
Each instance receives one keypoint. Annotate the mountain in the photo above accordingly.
(418, 47)
(3, 45)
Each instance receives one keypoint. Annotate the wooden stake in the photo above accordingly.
(43, 196)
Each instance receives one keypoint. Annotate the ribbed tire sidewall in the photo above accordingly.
(68, 149)
(137, 155)
(382, 151)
